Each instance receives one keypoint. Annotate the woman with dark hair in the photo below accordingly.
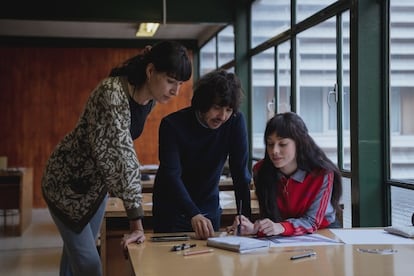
(98, 156)
(297, 186)
(194, 144)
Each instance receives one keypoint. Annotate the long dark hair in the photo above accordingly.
(309, 156)
(167, 56)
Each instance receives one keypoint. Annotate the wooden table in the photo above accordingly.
(115, 209)
(151, 258)
(16, 192)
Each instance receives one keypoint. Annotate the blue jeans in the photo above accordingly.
(80, 256)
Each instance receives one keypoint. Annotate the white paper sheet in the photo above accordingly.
(369, 236)
(304, 240)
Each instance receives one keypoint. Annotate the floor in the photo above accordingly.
(36, 252)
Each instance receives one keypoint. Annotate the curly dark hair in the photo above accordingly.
(309, 156)
(217, 87)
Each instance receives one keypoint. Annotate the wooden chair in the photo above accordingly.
(9, 200)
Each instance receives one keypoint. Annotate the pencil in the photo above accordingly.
(306, 255)
(196, 252)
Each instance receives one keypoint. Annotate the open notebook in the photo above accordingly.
(238, 243)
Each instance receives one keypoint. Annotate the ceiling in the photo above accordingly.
(191, 20)
(104, 30)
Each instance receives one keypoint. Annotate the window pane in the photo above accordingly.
(347, 202)
(263, 92)
(346, 135)
(208, 57)
(306, 8)
(226, 45)
(316, 101)
(401, 98)
(283, 77)
(402, 206)
(269, 18)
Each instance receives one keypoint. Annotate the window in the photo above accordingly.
(346, 201)
(306, 8)
(401, 90)
(401, 205)
(317, 77)
(283, 77)
(269, 18)
(319, 70)
(263, 95)
(225, 41)
(401, 100)
(218, 51)
(344, 97)
(208, 57)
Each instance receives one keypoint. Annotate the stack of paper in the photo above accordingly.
(401, 230)
(237, 243)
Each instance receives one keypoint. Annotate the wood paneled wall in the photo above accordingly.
(42, 94)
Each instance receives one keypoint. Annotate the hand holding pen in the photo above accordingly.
(243, 223)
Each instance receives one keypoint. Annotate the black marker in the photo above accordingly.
(306, 255)
(182, 247)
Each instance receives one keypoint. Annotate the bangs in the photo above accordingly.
(280, 127)
(179, 68)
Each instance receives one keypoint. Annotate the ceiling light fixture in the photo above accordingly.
(148, 29)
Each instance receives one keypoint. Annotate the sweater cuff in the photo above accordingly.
(135, 213)
(288, 228)
(194, 212)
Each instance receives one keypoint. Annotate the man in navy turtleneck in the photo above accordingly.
(194, 144)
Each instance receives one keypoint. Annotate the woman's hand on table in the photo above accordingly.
(137, 236)
(267, 227)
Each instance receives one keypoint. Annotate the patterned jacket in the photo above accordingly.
(97, 157)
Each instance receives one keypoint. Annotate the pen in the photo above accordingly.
(239, 225)
(301, 256)
(182, 247)
(196, 252)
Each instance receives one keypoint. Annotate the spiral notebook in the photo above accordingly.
(238, 243)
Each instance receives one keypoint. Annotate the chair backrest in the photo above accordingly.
(340, 215)
(9, 192)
